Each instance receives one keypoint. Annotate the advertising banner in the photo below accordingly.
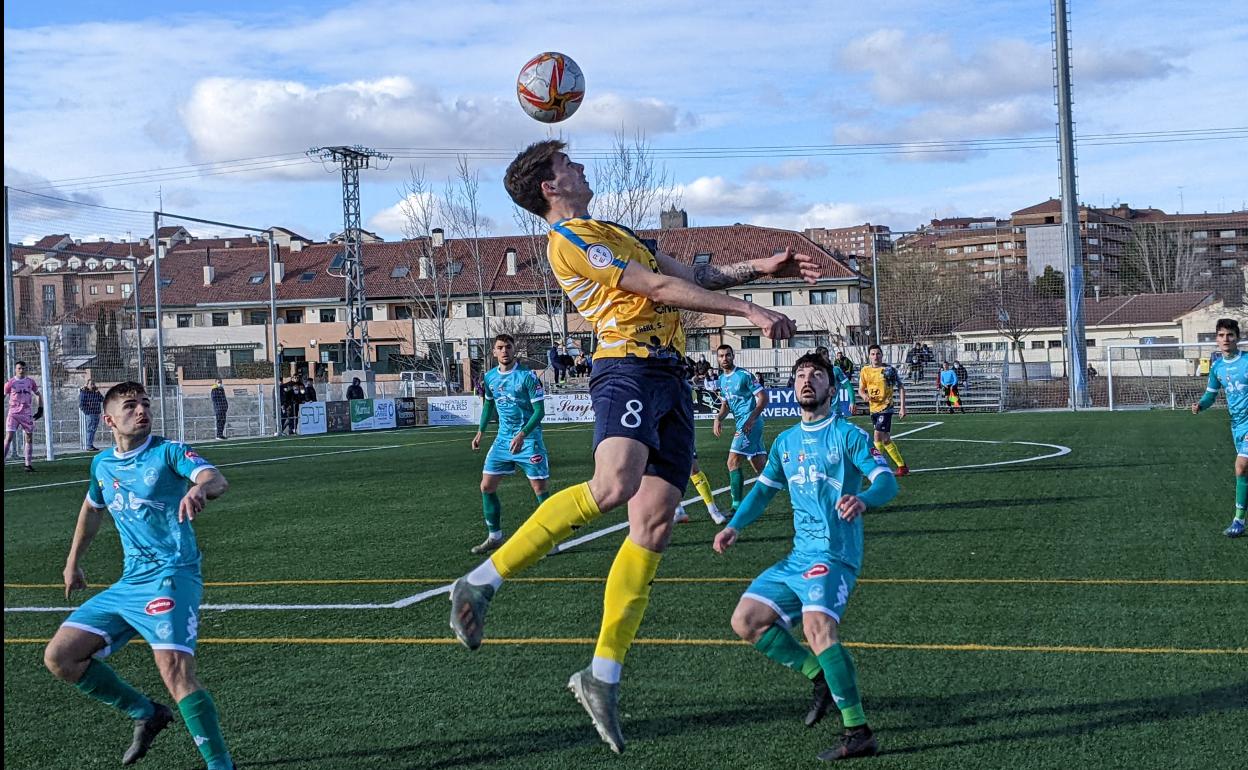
(405, 412)
(372, 413)
(782, 403)
(568, 407)
(338, 416)
(312, 418)
(455, 410)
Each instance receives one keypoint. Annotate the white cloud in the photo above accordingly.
(391, 221)
(716, 196)
(831, 214)
(796, 168)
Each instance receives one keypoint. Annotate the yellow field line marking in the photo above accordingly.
(579, 641)
(882, 581)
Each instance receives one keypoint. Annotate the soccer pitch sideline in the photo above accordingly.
(1045, 609)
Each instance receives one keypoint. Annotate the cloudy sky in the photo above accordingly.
(94, 91)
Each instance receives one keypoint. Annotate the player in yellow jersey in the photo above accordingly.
(643, 410)
(876, 383)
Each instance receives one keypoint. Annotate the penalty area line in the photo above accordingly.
(585, 641)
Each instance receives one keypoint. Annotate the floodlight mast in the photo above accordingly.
(351, 160)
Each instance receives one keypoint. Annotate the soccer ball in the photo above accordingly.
(550, 87)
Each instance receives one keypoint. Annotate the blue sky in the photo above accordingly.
(105, 88)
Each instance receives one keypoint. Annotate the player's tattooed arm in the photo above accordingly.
(722, 277)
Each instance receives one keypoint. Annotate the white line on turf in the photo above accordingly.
(925, 426)
(422, 596)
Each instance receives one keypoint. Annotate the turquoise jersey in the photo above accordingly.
(738, 389)
(142, 489)
(819, 463)
(514, 393)
(1230, 375)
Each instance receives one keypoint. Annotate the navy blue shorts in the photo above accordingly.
(649, 401)
(882, 421)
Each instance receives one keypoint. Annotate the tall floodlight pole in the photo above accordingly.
(351, 160)
(138, 314)
(10, 313)
(160, 335)
(1076, 342)
(875, 284)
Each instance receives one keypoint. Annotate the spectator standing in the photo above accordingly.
(90, 403)
(844, 364)
(220, 405)
(309, 390)
(554, 357)
(355, 390)
(914, 363)
(960, 370)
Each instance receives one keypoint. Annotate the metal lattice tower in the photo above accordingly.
(352, 159)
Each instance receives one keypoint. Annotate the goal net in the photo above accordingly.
(1159, 376)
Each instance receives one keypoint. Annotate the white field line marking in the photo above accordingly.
(422, 596)
(291, 457)
(915, 430)
(1061, 450)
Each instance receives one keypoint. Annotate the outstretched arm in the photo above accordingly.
(783, 264)
(678, 292)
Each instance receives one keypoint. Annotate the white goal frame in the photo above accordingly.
(45, 366)
(1211, 347)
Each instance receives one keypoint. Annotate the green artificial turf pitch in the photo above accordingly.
(1078, 611)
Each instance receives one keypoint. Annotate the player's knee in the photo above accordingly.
(614, 491)
(747, 625)
(58, 660)
(820, 630)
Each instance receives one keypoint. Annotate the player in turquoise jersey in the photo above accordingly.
(746, 399)
(516, 394)
(822, 462)
(1230, 374)
(153, 488)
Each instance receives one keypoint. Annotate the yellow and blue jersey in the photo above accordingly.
(1230, 375)
(588, 256)
(142, 489)
(880, 382)
(514, 393)
(819, 463)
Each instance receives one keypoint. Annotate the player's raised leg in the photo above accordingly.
(618, 467)
(70, 658)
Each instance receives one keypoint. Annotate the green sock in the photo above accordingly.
(102, 683)
(779, 645)
(736, 481)
(838, 669)
(200, 715)
(1241, 496)
(493, 512)
(542, 497)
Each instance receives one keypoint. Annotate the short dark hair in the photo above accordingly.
(877, 347)
(20, 363)
(815, 360)
(724, 346)
(123, 390)
(510, 340)
(1223, 323)
(526, 173)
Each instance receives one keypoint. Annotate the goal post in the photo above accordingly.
(1158, 376)
(45, 368)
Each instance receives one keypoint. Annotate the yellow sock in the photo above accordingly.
(893, 452)
(703, 485)
(625, 600)
(553, 521)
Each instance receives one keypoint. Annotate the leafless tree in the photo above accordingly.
(1161, 257)
(844, 326)
(431, 273)
(462, 208)
(629, 187)
(1021, 309)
